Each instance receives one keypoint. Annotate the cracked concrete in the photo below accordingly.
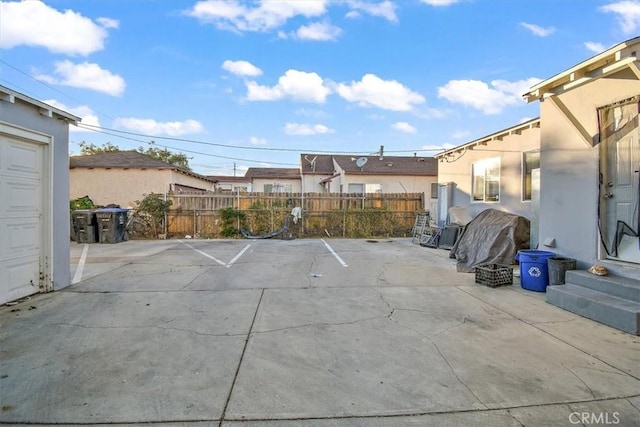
(159, 333)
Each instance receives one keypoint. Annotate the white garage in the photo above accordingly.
(34, 196)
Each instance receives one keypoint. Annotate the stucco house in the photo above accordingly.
(231, 184)
(274, 180)
(368, 174)
(496, 171)
(34, 189)
(589, 175)
(122, 177)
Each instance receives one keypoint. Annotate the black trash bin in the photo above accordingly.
(112, 225)
(85, 225)
(558, 266)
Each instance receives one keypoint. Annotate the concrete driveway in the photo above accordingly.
(304, 333)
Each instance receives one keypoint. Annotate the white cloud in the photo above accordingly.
(461, 134)
(318, 31)
(488, 99)
(628, 14)
(258, 141)
(440, 2)
(538, 30)
(87, 115)
(316, 114)
(385, 9)
(33, 23)
(85, 75)
(152, 127)
(305, 129)
(108, 23)
(594, 47)
(372, 91)
(295, 85)
(266, 16)
(404, 127)
(241, 68)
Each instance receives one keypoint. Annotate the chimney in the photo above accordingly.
(381, 152)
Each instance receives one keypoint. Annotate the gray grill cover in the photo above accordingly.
(492, 237)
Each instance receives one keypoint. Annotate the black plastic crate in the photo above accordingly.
(494, 275)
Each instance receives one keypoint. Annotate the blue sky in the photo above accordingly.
(253, 84)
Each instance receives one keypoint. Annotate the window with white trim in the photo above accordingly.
(485, 180)
(530, 161)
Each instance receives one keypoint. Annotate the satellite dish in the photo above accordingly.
(361, 161)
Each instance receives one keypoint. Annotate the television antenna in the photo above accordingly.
(312, 162)
(361, 161)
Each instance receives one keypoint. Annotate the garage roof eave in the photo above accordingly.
(10, 95)
(610, 61)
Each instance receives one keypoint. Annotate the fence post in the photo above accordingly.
(166, 218)
(344, 223)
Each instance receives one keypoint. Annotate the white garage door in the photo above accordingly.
(21, 216)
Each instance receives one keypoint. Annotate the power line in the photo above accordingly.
(154, 137)
(194, 152)
(239, 147)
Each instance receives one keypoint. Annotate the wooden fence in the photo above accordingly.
(323, 214)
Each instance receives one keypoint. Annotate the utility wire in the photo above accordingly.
(154, 137)
(216, 144)
(194, 152)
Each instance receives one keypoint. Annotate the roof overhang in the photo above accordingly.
(497, 136)
(329, 179)
(9, 95)
(613, 60)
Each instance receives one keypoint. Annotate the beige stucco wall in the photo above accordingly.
(312, 183)
(124, 186)
(257, 184)
(569, 176)
(509, 151)
(392, 183)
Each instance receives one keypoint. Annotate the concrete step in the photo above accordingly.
(616, 312)
(613, 285)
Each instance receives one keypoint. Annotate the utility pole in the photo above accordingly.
(234, 169)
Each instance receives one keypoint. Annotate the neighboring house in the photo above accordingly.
(495, 171)
(231, 184)
(368, 174)
(123, 177)
(274, 180)
(34, 189)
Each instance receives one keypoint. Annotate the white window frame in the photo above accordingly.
(482, 167)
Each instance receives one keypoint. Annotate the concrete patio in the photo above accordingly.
(304, 333)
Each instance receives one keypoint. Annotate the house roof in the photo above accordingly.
(497, 136)
(10, 96)
(226, 178)
(388, 165)
(319, 164)
(125, 160)
(322, 164)
(269, 173)
(602, 65)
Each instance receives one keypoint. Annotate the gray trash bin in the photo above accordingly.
(112, 223)
(558, 266)
(85, 225)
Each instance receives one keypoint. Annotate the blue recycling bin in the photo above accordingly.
(534, 271)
